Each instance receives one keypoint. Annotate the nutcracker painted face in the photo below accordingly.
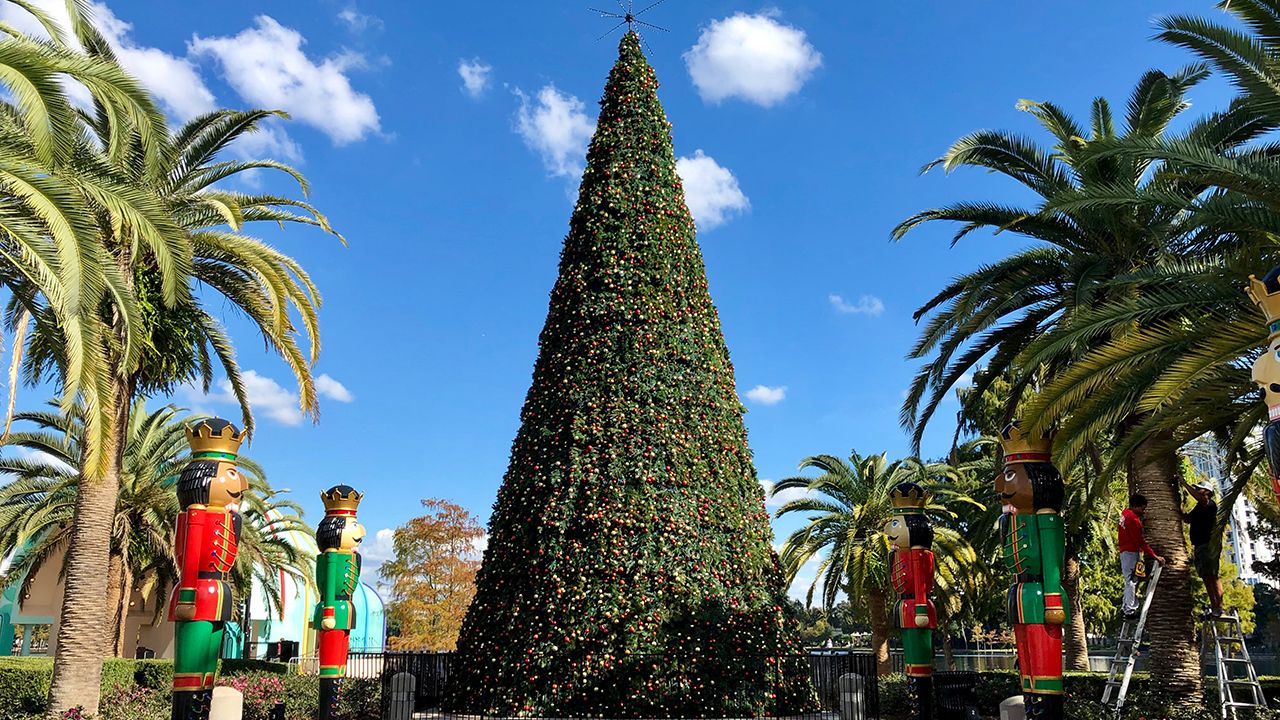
(339, 530)
(1266, 369)
(211, 482)
(1013, 485)
(909, 531)
(1266, 372)
(212, 478)
(898, 533)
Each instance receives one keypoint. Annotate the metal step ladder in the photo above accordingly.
(1238, 686)
(1121, 671)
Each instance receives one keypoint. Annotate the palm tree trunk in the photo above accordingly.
(115, 599)
(126, 593)
(948, 655)
(83, 624)
(1076, 639)
(1175, 662)
(246, 625)
(878, 598)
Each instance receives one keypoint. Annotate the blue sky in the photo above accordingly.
(443, 139)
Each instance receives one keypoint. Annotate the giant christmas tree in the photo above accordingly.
(629, 569)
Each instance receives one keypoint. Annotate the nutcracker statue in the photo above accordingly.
(208, 530)
(337, 573)
(1266, 369)
(911, 537)
(1033, 545)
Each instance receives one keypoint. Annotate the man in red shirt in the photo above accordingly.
(1133, 545)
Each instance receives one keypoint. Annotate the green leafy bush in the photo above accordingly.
(24, 685)
(302, 697)
(261, 692)
(361, 699)
(154, 675)
(230, 668)
(134, 703)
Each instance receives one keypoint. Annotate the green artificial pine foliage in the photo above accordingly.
(629, 571)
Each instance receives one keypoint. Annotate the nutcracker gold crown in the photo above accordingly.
(908, 495)
(1268, 302)
(1019, 447)
(215, 435)
(341, 500)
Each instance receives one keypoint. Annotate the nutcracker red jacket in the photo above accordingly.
(1131, 538)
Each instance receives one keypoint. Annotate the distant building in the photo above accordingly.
(28, 626)
(1242, 547)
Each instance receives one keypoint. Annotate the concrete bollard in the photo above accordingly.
(228, 704)
(1013, 709)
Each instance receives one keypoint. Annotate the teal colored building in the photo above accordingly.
(29, 627)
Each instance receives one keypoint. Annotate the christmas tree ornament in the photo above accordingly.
(337, 575)
(911, 541)
(1266, 369)
(1033, 544)
(629, 571)
(210, 489)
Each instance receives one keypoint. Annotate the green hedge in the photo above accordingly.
(1083, 690)
(24, 681)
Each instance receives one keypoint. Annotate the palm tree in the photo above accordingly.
(1088, 512)
(37, 508)
(172, 339)
(56, 200)
(1011, 315)
(849, 505)
(269, 551)
(49, 200)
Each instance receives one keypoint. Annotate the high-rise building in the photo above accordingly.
(1242, 547)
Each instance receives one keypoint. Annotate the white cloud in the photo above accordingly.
(328, 387)
(479, 545)
(866, 305)
(475, 76)
(710, 190)
(752, 57)
(175, 80)
(375, 550)
(269, 140)
(42, 457)
(358, 22)
(267, 67)
(774, 502)
(804, 578)
(766, 395)
(555, 126)
(266, 396)
(965, 381)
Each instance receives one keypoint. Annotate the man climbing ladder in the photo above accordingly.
(1206, 553)
(1120, 672)
(1133, 545)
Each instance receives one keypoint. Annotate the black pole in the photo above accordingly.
(329, 698)
(246, 626)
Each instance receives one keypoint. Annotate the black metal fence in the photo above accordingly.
(431, 671)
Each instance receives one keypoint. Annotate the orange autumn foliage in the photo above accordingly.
(432, 576)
